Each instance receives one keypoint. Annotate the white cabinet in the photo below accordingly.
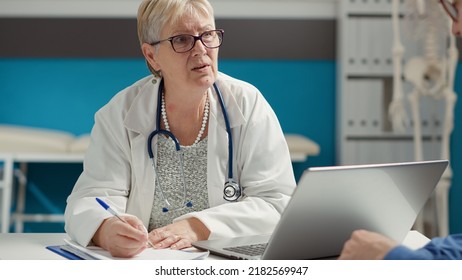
(365, 87)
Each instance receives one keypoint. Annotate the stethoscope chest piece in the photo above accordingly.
(232, 191)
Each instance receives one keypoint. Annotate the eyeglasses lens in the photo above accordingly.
(210, 39)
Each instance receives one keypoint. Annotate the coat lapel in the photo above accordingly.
(140, 122)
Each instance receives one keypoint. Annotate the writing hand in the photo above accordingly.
(122, 239)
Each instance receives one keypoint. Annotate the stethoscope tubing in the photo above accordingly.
(228, 130)
(158, 131)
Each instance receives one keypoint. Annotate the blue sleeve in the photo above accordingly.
(448, 248)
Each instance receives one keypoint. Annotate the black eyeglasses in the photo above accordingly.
(451, 10)
(183, 43)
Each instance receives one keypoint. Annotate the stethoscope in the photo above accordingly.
(232, 190)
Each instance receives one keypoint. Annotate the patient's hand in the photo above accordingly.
(366, 245)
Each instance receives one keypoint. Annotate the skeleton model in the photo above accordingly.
(430, 75)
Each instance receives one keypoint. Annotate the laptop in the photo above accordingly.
(329, 203)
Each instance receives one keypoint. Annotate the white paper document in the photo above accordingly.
(98, 253)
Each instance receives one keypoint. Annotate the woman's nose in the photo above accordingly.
(199, 47)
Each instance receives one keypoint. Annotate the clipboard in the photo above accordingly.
(60, 251)
(73, 251)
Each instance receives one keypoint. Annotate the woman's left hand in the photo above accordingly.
(179, 235)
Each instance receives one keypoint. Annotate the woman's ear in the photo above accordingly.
(150, 56)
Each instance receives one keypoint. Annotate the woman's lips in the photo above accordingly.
(200, 67)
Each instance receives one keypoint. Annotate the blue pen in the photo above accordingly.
(115, 214)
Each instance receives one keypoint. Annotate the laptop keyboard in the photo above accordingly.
(249, 250)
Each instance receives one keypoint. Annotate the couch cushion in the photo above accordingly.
(20, 139)
(80, 144)
(300, 144)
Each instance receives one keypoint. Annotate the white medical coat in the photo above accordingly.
(118, 169)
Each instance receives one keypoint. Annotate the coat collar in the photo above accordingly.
(141, 116)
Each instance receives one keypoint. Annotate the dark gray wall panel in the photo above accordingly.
(39, 37)
(244, 38)
(278, 39)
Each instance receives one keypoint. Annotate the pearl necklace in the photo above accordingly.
(204, 118)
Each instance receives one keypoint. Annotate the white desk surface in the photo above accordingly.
(31, 246)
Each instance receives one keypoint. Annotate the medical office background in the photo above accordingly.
(61, 60)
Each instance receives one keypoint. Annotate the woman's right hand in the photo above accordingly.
(121, 239)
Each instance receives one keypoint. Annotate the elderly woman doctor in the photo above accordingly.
(185, 154)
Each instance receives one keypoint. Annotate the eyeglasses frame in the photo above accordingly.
(445, 4)
(196, 38)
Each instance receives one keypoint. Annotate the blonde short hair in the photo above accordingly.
(154, 15)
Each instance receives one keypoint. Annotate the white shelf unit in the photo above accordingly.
(364, 88)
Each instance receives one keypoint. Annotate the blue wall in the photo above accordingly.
(61, 93)
(65, 93)
(455, 199)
